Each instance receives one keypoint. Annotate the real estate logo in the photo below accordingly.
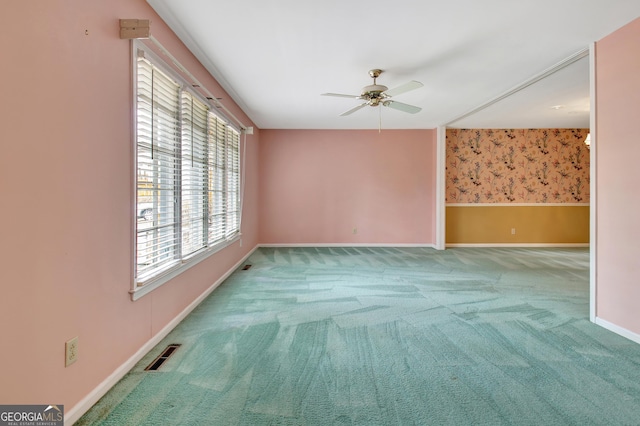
(32, 415)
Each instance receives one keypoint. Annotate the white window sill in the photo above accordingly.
(142, 288)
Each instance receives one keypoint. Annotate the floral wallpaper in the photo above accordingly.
(517, 166)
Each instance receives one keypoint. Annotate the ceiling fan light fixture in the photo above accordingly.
(374, 90)
(376, 94)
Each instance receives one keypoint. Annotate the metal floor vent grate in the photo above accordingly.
(157, 363)
(245, 267)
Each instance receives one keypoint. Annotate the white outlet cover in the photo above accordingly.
(70, 351)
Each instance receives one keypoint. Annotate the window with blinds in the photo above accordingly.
(195, 171)
(188, 173)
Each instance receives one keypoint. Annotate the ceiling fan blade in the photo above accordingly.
(412, 85)
(352, 110)
(339, 95)
(402, 107)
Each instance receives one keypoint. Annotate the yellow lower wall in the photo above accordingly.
(536, 224)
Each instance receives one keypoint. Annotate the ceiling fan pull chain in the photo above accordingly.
(380, 120)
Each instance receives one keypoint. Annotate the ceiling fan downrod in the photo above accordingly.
(375, 91)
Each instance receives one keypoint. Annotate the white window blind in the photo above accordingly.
(224, 187)
(158, 169)
(233, 183)
(195, 151)
(188, 174)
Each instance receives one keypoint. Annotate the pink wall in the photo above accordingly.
(316, 186)
(618, 178)
(66, 189)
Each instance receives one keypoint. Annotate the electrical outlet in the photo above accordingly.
(513, 231)
(355, 230)
(70, 351)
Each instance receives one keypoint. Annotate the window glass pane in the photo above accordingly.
(157, 137)
(194, 174)
(187, 172)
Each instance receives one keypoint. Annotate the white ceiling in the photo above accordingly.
(275, 57)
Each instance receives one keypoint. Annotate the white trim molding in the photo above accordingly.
(582, 53)
(518, 204)
(99, 391)
(634, 337)
(179, 268)
(514, 245)
(347, 245)
(593, 193)
(441, 184)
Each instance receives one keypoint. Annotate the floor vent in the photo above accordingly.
(245, 267)
(157, 363)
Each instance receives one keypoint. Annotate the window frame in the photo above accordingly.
(141, 285)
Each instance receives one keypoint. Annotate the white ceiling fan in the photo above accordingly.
(377, 94)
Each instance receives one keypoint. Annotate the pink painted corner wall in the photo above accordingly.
(66, 191)
(618, 177)
(318, 186)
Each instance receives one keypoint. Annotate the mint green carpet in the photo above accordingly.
(390, 336)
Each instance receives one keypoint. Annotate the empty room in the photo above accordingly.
(320, 213)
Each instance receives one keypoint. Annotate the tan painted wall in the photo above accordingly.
(489, 168)
(533, 224)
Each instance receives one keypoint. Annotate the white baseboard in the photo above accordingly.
(515, 245)
(88, 401)
(391, 245)
(517, 204)
(347, 245)
(618, 330)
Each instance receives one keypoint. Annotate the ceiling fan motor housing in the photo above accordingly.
(376, 94)
(373, 91)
